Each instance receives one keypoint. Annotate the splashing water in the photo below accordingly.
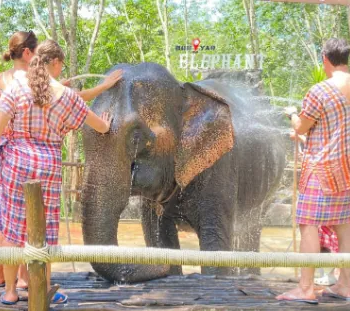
(291, 101)
(134, 167)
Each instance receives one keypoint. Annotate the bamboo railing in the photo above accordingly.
(36, 255)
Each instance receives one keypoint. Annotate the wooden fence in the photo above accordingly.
(71, 193)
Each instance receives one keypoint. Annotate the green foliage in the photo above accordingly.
(316, 75)
(289, 35)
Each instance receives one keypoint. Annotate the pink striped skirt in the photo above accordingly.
(23, 160)
(316, 208)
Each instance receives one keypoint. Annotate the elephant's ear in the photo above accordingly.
(207, 132)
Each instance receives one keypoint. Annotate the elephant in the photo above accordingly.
(192, 151)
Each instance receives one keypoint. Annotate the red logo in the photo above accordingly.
(195, 43)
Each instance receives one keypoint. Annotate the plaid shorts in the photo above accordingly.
(317, 208)
(26, 159)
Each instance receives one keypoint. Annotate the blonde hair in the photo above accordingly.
(18, 42)
(38, 76)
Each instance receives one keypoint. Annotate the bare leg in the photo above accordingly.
(342, 287)
(22, 281)
(309, 243)
(10, 272)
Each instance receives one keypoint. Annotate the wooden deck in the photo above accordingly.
(88, 292)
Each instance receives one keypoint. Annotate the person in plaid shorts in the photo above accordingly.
(324, 187)
(20, 50)
(41, 112)
(327, 236)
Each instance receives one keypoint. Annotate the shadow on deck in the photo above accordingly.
(88, 292)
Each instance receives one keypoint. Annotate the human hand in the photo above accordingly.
(107, 118)
(292, 135)
(289, 111)
(113, 78)
(65, 82)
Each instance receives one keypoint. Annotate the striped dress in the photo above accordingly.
(34, 152)
(324, 188)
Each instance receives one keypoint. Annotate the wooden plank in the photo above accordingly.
(36, 229)
(202, 294)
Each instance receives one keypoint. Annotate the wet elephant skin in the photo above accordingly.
(194, 151)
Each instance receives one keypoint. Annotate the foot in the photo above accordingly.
(21, 285)
(305, 293)
(9, 298)
(337, 291)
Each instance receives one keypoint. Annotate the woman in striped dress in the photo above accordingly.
(41, 112)
(324, 188)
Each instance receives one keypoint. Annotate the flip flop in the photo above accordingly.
(2, 284)
(292, 298)
(59, 298)
(23, 289)
(328, 292)
(6, 302)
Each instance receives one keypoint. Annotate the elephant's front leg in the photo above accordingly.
(168, 236)
(215, 229)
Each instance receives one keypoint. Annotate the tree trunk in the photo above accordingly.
(73, 38)
(163, 16)
(94, 36)
(186, 35)
(52, 19)
(254, 40)
(62, 21)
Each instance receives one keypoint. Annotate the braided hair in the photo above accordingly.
(38, 76)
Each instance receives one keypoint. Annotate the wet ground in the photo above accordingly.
(274, 239)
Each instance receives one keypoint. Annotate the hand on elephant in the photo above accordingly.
(107, 118)
(113, 78)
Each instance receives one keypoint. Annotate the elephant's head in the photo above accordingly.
(163, 134)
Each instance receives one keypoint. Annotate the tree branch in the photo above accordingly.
(52, 19)
(138, 42)
(94, 35)
(37, 17)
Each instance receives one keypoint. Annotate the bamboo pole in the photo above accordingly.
(294, 203)
(36, 229)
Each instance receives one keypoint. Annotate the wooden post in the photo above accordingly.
(36, 229)
(294, 205)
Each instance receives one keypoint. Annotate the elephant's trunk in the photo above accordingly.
(105, 195)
